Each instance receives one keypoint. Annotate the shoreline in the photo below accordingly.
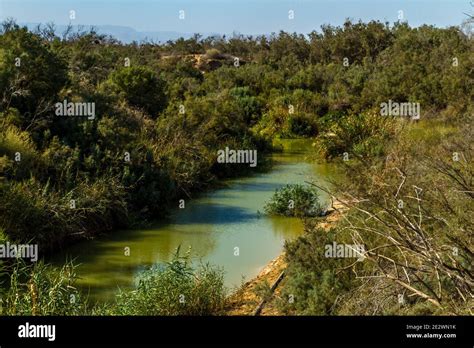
(245, 301)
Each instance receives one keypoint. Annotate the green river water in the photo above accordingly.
(213, 225)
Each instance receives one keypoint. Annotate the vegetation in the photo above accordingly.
(175, 288)
(412, 212)
(313, 284)
(294, 200)
(151, 142)
(160, 117)
(39, 290)
(362, 135)
(161, 113)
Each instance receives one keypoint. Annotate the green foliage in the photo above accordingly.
(17, 147)
(175, 288)
(248, 105)
(354, 41)
(419, 67)
(361, 135)
(39, 290)
(173, 150)
(301, 126)
(313, 282)
(213, 53)
(294, 200)
(31, 83)
(414, 222)
(140, 87)
(32, 212)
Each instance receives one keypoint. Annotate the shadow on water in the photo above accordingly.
(214, 213)
(250, 186)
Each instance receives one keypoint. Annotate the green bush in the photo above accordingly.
(175, 288)
(37, 82)
(213, 53)
(313, 281)
(39, 289)
(363, 135)
(140, 87)
(21, 156)
(294, 200)
(301, 126)
(32, 212)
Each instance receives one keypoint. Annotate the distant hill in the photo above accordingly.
(124, 33)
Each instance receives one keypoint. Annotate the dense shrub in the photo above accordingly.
(213, 53)
(175, 288)
(39, 290)
(294, 200)
(19, 151)
(360, 135)
(301, 126)
(32, 83)
(140, 87)
(32, 212)
(314, 282)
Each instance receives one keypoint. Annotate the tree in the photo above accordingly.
(140, 87)
(31, 74)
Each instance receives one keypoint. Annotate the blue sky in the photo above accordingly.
(226, 16)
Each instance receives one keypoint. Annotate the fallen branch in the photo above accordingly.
(272, 289)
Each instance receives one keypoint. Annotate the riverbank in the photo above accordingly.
(246, 299)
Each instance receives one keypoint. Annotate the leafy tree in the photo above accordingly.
(31, 75)
(140, 87)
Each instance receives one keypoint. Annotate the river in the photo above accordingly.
(213, 226)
